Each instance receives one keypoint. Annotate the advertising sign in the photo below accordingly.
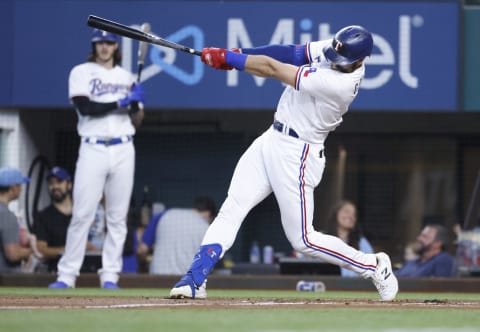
(414, 65)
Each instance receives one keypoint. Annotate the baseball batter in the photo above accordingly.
(322, 79)
(109, 107)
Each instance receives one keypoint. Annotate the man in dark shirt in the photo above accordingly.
(434, 261)
(52, 222)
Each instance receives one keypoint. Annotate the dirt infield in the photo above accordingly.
(75, 302)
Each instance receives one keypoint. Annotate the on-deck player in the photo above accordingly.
(322, 79)
(109, 107)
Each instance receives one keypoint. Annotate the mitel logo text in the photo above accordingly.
(383, 53)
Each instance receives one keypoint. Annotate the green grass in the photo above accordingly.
(315, 318)
(344, 319)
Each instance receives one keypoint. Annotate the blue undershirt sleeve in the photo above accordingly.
(292, 54)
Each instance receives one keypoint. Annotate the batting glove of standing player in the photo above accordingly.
(136, 95)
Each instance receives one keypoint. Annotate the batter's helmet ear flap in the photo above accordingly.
(349, 45)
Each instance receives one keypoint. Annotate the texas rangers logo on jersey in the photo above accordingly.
(303, 72)
(99, 88)
(309, 71)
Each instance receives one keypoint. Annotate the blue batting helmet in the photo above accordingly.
(350, 44)
(100, 35)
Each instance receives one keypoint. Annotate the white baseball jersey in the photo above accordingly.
(101, 85)
(291, 167)
(321, 96)
(102, 169)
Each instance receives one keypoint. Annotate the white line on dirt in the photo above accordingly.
(238, 304)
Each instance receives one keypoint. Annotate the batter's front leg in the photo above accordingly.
(249, 186)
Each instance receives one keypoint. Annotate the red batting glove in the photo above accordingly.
(215, 57)
(228, 67)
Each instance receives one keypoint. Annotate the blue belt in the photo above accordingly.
(108, 142)
(278, 126)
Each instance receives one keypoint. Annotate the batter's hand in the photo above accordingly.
(215, 58)
(136, 95)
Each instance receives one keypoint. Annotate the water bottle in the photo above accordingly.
(255, 253)
(310, 286)
(268, 255)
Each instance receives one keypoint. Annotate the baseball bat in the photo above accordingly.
(126, 31)
(142, 51)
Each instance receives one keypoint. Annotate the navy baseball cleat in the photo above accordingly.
(186, 288)
(110, 285)
(58, 285)
(384, 279)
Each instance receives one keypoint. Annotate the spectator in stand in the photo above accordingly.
(175, 234)
(343, 224)
(52, 222)
(13, 250)
(433, 259)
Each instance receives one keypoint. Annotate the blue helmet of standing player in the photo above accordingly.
(100, 35)
(349, 45)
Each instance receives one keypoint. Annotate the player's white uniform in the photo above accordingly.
(292, 166)
(101, 169)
